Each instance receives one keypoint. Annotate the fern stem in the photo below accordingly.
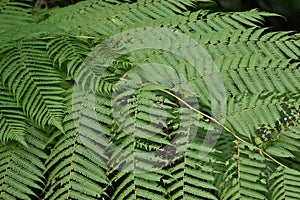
(223, 126)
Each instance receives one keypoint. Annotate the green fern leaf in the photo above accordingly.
(104, 18)
(14, 13)
(76, 165)
(12, 118)
(73, 171)
(68, 52)
(120, 130)
(34, 82)
(285, 183)
(245, 176)
(192, 177)
(21, 169)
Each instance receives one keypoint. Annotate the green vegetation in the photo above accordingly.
(54, 147)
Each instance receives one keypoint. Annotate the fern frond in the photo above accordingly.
(73, 171)
(253, 34)
(246, 175)
(255, 110)
(29, 33)
(68, 52)
(12, 118)
(285, 184)
(21, 168)
(138, 185)
(15, 13)
(148, 135)
(76, 165)
(141, 123)
(127, 126)
(264, 44)
(33, 81)
(84, 64)
(286, 134)
(192, 177)
(217, 22)
(104, 17)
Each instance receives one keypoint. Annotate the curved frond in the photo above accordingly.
(33, 81)
(68, 52)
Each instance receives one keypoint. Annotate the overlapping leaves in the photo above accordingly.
(93, 142)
